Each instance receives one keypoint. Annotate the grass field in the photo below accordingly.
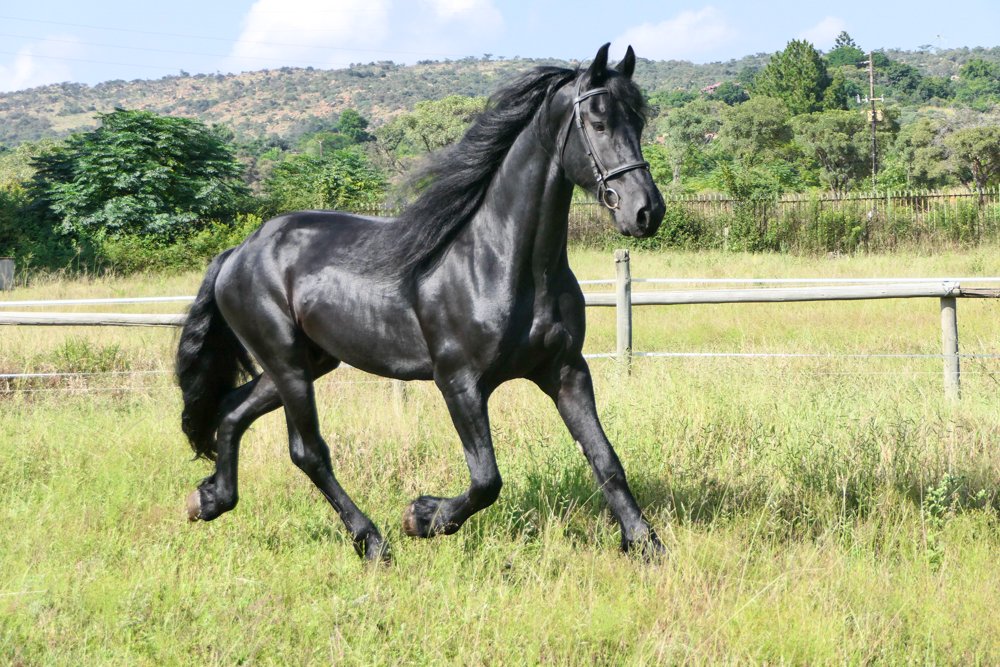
(820, 510)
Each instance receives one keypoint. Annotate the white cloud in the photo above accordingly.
(450, 9)
(823, 34)
(459, 22)
(686, 36)
(39, 63)
(316, 32)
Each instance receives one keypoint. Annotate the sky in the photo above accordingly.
(54, 41)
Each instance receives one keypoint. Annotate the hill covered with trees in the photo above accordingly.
(288, 102)
(165, 173)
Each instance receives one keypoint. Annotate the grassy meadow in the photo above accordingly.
(817, 510)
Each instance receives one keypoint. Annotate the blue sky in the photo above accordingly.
(50, 41)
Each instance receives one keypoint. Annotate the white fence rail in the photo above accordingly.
(623, 299)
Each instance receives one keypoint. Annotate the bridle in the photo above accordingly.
(605, 194)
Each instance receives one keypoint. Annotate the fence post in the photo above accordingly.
(623, 306)
(949, 348)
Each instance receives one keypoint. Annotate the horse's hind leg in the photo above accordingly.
(218, 493)
(428, 516)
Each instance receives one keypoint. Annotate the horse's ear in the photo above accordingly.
(627, 65)
(598, 70)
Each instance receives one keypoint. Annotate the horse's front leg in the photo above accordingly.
(569, 384)
(428, 516)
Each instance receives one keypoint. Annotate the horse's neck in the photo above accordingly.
(522, 221)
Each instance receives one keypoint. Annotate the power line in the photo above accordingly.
(233, 41)
(148, 49)
(92, 62)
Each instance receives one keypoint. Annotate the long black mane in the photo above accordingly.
(459, 176)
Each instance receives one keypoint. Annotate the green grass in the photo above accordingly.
(817, 511)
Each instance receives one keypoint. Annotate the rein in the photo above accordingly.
(605, 194)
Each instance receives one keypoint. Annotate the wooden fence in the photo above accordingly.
(946, 290)
(623, 299)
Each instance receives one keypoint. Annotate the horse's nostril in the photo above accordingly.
(642, 219)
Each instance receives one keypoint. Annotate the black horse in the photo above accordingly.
(470, 287)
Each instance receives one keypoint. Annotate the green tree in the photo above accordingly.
(841, 92)
(139, 174)
(975, 155)
(354, 126)
(25, 233)
(434, 124)
(344, 179)
(931, 87)
(845, 52)
(730, 93)
(663, 100)
(979, 82)
(756, 131)
(797, 75)
(687, 132)
(837, 141)
(919, 155)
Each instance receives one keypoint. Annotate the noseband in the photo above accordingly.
(605, 194)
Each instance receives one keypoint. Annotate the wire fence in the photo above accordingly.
(814, 223)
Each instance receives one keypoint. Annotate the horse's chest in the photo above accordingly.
(556, 323)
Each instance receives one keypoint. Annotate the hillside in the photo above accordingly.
(288, 100)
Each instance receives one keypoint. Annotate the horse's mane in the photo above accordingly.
(459, 176)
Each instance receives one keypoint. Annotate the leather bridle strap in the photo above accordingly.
(605, 194)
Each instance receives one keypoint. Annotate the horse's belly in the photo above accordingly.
(367, 328)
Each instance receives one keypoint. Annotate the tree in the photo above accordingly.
(904, 80)
(730, 93)
(687, 131)
(841, 92)
(343, 179)
(919, 154)
(975, 155)
(354, 126)
(435, 124)
(843, 40)
(797, 75)
(838, 142)
(932, 87)
(845, 52)
(432, 125)
(139, 173)
(662, 100)
(979, 82)
(757, 130)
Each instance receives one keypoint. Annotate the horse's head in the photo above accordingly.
(601, 150)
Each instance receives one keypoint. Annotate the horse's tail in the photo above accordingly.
(209, 361)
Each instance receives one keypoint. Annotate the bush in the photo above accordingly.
(130, 254)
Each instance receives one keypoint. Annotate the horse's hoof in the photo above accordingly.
(194, 505)
(422, 518)
(410, 526)
(647, 547)
(374, 549)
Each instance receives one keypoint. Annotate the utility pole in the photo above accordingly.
(874, 115)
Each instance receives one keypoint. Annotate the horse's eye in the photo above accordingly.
(599, 127)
